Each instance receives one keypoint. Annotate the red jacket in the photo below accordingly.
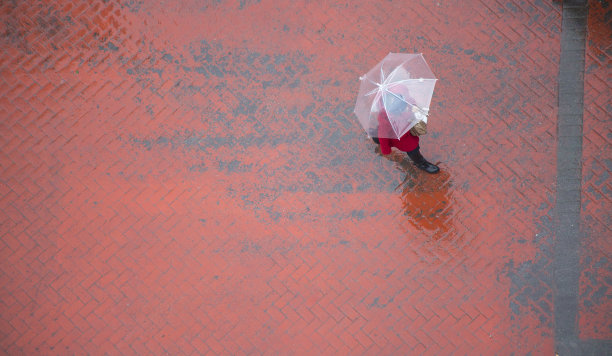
(406, 143)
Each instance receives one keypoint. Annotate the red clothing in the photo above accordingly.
(406, 143)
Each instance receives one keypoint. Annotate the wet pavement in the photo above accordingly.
(186, 177)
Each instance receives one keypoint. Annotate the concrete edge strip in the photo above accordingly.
(566, 262)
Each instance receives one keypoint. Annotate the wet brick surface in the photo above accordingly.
(187, 177)
(595, 318)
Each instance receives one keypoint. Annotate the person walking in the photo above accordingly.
(397, 104)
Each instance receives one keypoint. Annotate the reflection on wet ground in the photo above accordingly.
(427, 209)
(426, 201)
(426, 198)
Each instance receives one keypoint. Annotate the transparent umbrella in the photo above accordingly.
(400, 86)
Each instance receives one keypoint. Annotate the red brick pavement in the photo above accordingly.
(188, 178)
(595, 318)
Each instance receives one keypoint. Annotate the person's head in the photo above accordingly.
(394, 103)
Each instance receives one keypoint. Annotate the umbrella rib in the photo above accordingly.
(372, 92)
(393, 72)
(423, 111)
(382, 73)
(414, 80)
(378, 95)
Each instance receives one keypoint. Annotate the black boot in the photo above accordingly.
(421, 162)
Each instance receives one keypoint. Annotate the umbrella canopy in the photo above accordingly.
(401, 87)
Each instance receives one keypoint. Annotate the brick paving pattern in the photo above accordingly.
(187, 177)
(595, 316)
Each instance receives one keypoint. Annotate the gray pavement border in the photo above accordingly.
(566, 262)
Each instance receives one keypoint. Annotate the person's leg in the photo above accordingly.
(421, 162)
(376, 140)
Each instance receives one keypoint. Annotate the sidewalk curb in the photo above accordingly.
(568, 235)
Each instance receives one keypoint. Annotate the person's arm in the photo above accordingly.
(385, 147)
(383, 128)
